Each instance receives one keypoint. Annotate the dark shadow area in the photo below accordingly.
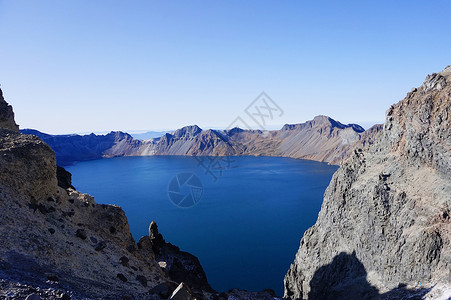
(346, 278)
(402, 292)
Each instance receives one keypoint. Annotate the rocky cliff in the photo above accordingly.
(384, 227)
(321, 139)
(59, 243)
(7, 115)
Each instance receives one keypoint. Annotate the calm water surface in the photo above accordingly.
(247, 225)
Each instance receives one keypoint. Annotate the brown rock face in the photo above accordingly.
(419, 126)
(27, 165)
(7, 115)
(384, 226)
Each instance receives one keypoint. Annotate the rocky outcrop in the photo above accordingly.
(177, 265)
(7, 115)
(321, 139)
(384, 227)
(64, 178)
(56, 239)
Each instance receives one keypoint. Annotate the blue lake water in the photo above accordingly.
(246, 226)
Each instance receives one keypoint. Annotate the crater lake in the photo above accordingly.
(243, 217)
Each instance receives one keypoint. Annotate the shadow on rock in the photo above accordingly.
(346, 278)
(402, 292)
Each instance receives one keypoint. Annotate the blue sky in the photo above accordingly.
(81, 66)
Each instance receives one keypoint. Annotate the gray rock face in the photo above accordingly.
(384, 227)
(7, 115)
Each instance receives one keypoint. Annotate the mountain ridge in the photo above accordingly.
(322, 139)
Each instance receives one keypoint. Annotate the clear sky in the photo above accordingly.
(81, 66)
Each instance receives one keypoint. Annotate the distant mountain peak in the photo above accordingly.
(187, 131)
(120, 135)
(233, 131)
(323, 120)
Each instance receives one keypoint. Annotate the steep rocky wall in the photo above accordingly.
(419, 126)
(384, 226)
